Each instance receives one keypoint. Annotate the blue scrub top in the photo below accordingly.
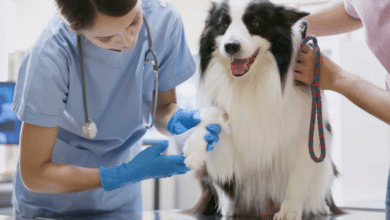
(48, 93)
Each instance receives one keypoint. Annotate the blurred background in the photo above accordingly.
(361, 142)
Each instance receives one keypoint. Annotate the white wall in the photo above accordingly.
(7, 31)
(193, 14)
(31, 17)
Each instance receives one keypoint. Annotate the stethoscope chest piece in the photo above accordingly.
(89, 129)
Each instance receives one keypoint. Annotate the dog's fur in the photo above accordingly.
(261, 166)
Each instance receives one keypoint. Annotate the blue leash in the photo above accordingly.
(316, 97)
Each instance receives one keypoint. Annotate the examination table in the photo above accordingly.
(354, 214)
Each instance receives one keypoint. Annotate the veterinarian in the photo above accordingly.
(341, 16)
(85, 159)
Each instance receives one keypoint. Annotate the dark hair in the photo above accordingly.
(81, 14)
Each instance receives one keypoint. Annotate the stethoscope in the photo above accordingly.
(89, 127)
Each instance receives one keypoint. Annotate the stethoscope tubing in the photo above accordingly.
(89, 128)
(155, 68)
(82, 79)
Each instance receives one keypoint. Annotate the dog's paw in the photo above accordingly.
(325, 210)
(195, 158)
(289, 211)
(195, 152)
(287, 215)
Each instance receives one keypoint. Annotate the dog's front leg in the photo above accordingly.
(225, 203)
(298, 183)
(195, 148)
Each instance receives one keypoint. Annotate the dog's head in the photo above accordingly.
(243, 30)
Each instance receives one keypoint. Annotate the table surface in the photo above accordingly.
(354, 214)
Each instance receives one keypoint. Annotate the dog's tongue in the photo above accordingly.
(239, 66)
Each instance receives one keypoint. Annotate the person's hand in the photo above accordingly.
(183, 120)
(304, 69)
(149, 163)
(212, 137)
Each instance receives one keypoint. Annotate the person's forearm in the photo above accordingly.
(164, 116)
(331, 19)
(40, 174)
(166, 108)
(365, 95)
(62, 178)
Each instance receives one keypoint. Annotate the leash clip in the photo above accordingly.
(303, 28)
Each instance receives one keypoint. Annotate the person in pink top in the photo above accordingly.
(341, 16)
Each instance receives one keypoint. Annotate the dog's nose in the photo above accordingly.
(232, 47)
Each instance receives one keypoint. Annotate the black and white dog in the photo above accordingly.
(261, 166)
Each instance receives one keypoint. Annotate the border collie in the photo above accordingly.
(261, 166)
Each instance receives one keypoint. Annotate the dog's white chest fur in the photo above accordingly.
(263, 145)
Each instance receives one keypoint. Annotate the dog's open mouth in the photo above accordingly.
(239, 67)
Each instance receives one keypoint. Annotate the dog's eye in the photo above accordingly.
(254, 23)
(223, 25)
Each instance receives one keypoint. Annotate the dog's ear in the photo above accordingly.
(213, 7)
(211, 11)
(291, 14)
(209, 19)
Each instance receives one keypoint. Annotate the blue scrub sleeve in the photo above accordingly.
(41, 89)
(177, 64)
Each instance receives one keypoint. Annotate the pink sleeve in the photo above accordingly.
(350, 9)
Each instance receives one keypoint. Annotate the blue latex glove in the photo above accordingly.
(212, 137)
(149, 163)
(183, 120)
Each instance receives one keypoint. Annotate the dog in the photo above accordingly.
(261, 165)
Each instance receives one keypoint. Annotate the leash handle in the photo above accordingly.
(316, 110)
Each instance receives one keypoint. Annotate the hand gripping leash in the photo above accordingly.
(316, 110)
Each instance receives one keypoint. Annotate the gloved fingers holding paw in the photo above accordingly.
(149, 163)
(155, 165)
(172, 165)
(183, 120)
(213, 136)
